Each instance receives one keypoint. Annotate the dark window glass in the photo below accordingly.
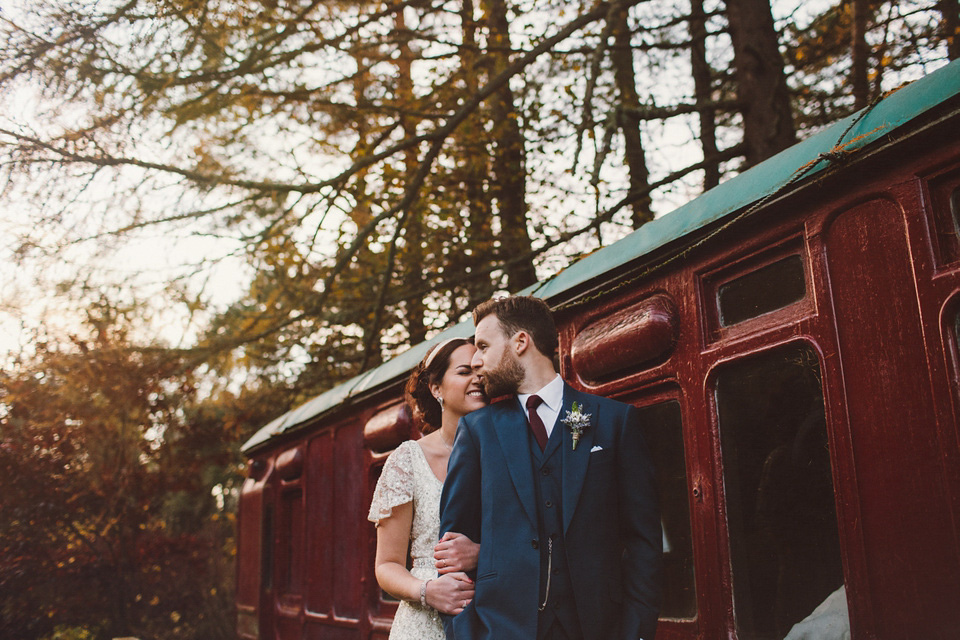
(266, 548)
(664, 435)
(768, 288)
(945, 203)
(955, 210)
(784, 545)
(292, 543)
(956, 334)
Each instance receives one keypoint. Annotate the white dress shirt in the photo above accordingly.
(549, 409)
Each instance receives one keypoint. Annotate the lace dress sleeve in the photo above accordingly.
(395, 486)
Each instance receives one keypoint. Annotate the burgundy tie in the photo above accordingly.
(536, 424)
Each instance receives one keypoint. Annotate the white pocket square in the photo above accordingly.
(596, 448)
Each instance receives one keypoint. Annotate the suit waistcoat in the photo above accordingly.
(548, 476)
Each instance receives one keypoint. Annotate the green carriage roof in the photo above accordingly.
(852, 133)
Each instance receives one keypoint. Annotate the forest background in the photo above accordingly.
(213, 211)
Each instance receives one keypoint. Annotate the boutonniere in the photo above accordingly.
(577, 421)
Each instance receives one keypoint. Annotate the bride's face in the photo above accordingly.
(460, 387)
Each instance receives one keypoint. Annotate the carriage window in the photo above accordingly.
(956, 336)
(266, 549)
(945, 206)
(956, 328)
(768, 288)
(664, 436)
(784, 546)
(291, 546)
(955, 210)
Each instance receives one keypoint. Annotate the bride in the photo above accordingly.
(406, 502)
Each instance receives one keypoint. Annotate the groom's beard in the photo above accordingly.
(505, 379)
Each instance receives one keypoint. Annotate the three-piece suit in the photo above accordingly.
(568, 536)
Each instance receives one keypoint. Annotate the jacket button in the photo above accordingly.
(548, 504)
(535, 544)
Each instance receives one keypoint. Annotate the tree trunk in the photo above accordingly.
(509, 187)
(761, 85)
(950, 10)
(475, 158)
(412, 255)
(361, 214)
(628, 120)
(703, 92)
(861, 54)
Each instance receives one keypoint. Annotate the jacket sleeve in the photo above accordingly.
(460, 503)
(460, 498)
(642, 536)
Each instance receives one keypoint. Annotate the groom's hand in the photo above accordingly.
(455, 552)
(451, 593)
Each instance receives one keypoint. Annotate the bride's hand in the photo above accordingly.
(450, 593)
(455, 552)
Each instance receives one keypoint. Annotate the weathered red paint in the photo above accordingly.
(881, 260)
(637, 335)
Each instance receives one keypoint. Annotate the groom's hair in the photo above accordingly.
(522, 313)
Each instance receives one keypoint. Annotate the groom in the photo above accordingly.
(558, 487)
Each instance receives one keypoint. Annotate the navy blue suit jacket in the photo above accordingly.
(610, 516)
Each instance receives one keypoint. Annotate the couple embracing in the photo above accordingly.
(548, 520)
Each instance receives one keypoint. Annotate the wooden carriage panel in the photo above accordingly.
(254, 550)
(324, 630)
(938, 194)
(912, 574)
(349, 523)
(639, 347)
(320, 532)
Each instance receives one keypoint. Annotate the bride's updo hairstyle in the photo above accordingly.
(423, 406)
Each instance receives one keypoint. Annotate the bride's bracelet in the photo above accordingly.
(423, 592)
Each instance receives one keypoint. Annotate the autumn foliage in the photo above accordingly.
(357, 176)
(111, 473)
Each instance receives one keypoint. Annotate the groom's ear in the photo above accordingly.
(521, 342)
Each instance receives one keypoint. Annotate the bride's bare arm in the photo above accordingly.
(448, 594)
(393, 539)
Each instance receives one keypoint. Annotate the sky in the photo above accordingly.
(23, 302)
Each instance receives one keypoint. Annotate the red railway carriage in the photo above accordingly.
(792, 338)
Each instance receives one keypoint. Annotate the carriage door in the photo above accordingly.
(902, 573)
(254, 596)
(778, 494)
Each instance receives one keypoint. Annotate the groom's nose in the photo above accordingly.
(477, 361)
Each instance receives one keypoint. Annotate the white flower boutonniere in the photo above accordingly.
(577, 421)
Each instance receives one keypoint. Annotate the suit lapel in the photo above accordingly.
(511, 429)
(575, 462)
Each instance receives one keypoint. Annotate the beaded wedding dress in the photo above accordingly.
(406, 477)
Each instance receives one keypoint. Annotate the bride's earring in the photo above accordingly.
(440, 400)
